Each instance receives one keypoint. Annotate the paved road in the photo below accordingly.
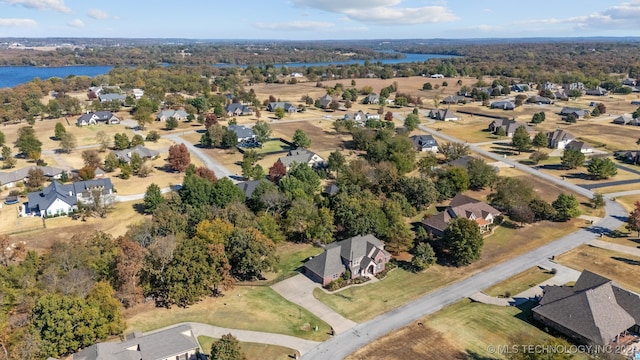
(634, 251)
(346, 343)
(134, 197)
(200, 329)
(217, 168)
(609, 183)
(299, 290)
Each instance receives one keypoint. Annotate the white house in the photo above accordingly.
(558, 139)
(59, 199)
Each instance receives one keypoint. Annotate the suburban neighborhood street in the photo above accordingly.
(346, 343)
(217, 168)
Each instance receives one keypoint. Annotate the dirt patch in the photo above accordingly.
(416, 341)
(616, 137)
(322, 138)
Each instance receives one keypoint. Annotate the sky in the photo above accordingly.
(319, 19)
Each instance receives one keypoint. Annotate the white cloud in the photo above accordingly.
(77, 23)
(17, 23)
(57, 5)
(623, 16)
(385, 12)
(99, 14)
(296, 25)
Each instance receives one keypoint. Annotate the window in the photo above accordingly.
(356, 261)
(335, 276)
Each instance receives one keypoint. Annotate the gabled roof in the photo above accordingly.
(299, 155)
(423, 141)
(559, 135)
(111, 97)
(248, 187)
(242, 132)
(505, 105)
(578, 145)
(23, 173)
(42, 200)
(570, 110)
(595, 308)
(163, 344)
(177, 114)
(143, 152)
(237, 106)
(461, 206)
(285, 105)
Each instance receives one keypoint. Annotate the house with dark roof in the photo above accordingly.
(598, 91)
(595, 311)
(237, 109)
(248, 187)
(60, 199)
(112, 97)
(288, 107)
(454, 99)
(577, 112)
(540, 100)
(561, 95)
(372, 99)
(509, 127)
(558, 139)
(179, 115)
(361, 255)
(504, 105)
(424, 143)
(520, 87)
(581, 146)
(11, 179)
(443, 114)
(178, 342)
(98, 117)
(325, 101)
(144, 153)
(626, 119)
(245, 135)
(462, 161)
(301, 156)
(630, 156)
(461, 206)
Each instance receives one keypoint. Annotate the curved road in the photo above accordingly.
(362, 334)
(217, 168)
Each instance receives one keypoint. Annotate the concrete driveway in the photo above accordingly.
(299, 290)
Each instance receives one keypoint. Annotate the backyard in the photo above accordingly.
(253, 351)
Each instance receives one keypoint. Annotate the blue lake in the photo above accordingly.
(11, 76)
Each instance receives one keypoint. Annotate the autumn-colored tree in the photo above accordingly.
(179, 157)
(91, 159)
(388, 116)
(277, 171)
(210, 119)
(129, 263)
(87, 173)
(206, 173)
(35, 178)
(633, 220)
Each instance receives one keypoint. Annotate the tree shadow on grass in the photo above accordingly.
(472, 355)
(139, 208)
(626, 261)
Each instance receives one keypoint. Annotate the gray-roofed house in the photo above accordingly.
(59, 199)
(237, 109)
(179, 115)
(520, 87)
(245, 135)
(288, 107)
(371, 99)
(509, 127)
(361, 255)
(112, 97)
(11, 179)
(504, 105)
(325, 101)
(248, 187)
(444, 115)
(461, 206)
(581, 146)
(558, 139)
(626, 119)
(536, 99)
(424, 143)
(577, 112)
(93, 118)
(178, 342)
(630, 156)
(301, 156)
(595, 311)
(561, 95)
(598, 91)
(144, 152)
(454, 99)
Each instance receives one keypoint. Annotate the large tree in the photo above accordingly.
(91, 158)
(227, 348)
(179, 157)
(300, 139)
(481, 174)
(602, 168)
(411, 122)
(566, 206)
(27, 142)
(8, 161)
(572, 158)
(423, 256)
(68, 142)
(152, 198)
(521, 140)
(463, 240)
(633, 220)
(262, 130)
(454, 150)
(250, 253)
(59, 130)
(540, 140)
(509, 192)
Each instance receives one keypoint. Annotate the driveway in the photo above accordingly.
(217, 168)
(299, 290)
(200, 329)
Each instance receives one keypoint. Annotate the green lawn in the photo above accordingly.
(253, 351)
(272, 146)
(519, 283)
(292, 256)
(475, 326)
(399, 287)
(244, 307)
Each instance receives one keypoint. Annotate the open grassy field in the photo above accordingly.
(463, 330)
(291, 256)
(271, 146)
(243, 307)
(628, 201)
(621, 268)
(616, 137)
(253, 351)
(519, 283)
